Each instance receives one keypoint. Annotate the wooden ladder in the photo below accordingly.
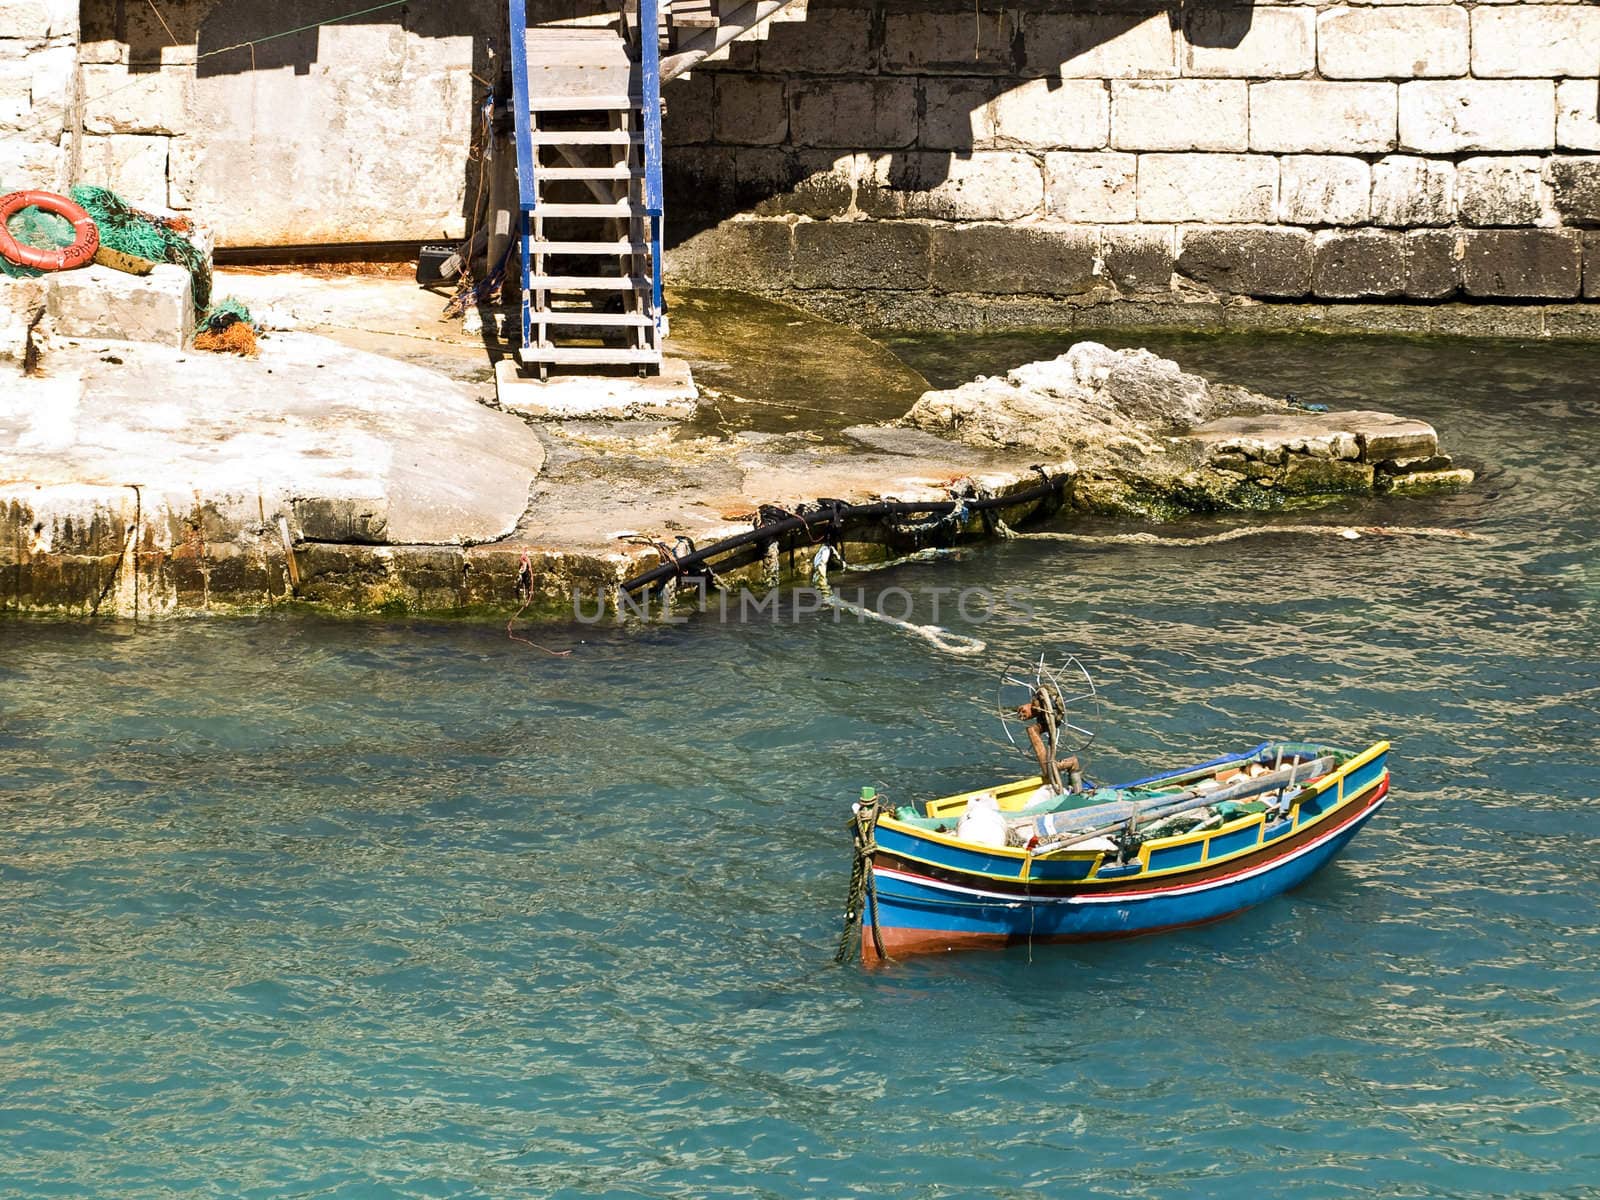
(591, 220)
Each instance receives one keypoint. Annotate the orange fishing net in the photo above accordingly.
(235, 338)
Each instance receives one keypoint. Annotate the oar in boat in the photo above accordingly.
(1103, 819)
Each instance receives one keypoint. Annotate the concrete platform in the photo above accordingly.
(671, 393)
(137, 450)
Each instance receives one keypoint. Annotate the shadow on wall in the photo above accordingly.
(911, 95)
(912, 87)
(232, 37)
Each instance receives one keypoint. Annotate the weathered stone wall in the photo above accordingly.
(914, 159)
(897, 155)
(38, 80)
(356, 131)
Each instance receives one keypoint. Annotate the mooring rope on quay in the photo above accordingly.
(823, 524)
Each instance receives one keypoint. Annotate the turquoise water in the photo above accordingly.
(294, 909)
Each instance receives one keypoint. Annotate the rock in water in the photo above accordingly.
(1090, 396)
(1150, 439)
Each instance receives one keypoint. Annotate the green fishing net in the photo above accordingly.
(123, 227)
(35, 227)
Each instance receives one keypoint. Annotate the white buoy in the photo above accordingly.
(982, 824)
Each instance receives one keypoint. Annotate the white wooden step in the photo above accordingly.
(618, 248)
(581, 103)
(580, 173)
(619, 209)
(556, 316)
(587, 355)
(581, 283)
(586, 137)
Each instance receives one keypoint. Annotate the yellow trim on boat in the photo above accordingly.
(947, 806)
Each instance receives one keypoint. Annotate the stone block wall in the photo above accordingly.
(1383, 150)
(361, 130)
(38, 81)
(919, 150)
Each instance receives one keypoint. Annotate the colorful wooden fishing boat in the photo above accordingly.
(1035, 861)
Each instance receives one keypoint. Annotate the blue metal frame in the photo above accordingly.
(650, 107)
(518, 20)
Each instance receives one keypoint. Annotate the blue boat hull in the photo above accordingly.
(924, 904)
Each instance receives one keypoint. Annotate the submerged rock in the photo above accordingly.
(1151, 439)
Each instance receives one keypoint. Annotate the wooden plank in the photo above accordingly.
(619, 247)
(557, 316)
(581, 283)
(586, 137)
(619, 208)
(581, 103)
(588, 355)
(608, 172)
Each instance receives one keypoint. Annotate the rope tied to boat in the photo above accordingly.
(861, 905)
(937, 635)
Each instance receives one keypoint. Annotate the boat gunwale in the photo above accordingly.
(1026, 859)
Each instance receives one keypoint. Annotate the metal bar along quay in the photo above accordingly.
(875, 508)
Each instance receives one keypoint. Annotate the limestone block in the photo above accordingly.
(1273, 263)
(1421, 483)
(1410, 192)
(1007, 259)
(1139, 258)
(35, 20)
(1522, 264)
(1207, 187)
(831, 41)
(1358, 265)
(97, 302)
(1091, 45)
(16, 99)
(1500, 190)
(987, 186)
(1091, 187)
(132, 165)
(144, 29)
(1575, 186)
(1386, 438)
(25, 163)
(956, 113)
(1392, 43)
(1591, 266)
(690, 102)
(1522, 40)
(1238, 41)
(22, 304)
(117, 101)
(751, 255)
(855, 114)
(1180, 114)
(1307, 476)
(862, 254)
(1324, 189)
(1071, 114)
(1446, 116)
(52, 72)
(1433, 263)
(771, 181)
(750, 110)
(1577, 115)
(923, 42)
(1317, 117)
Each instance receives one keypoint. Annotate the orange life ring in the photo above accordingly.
(79, 254)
